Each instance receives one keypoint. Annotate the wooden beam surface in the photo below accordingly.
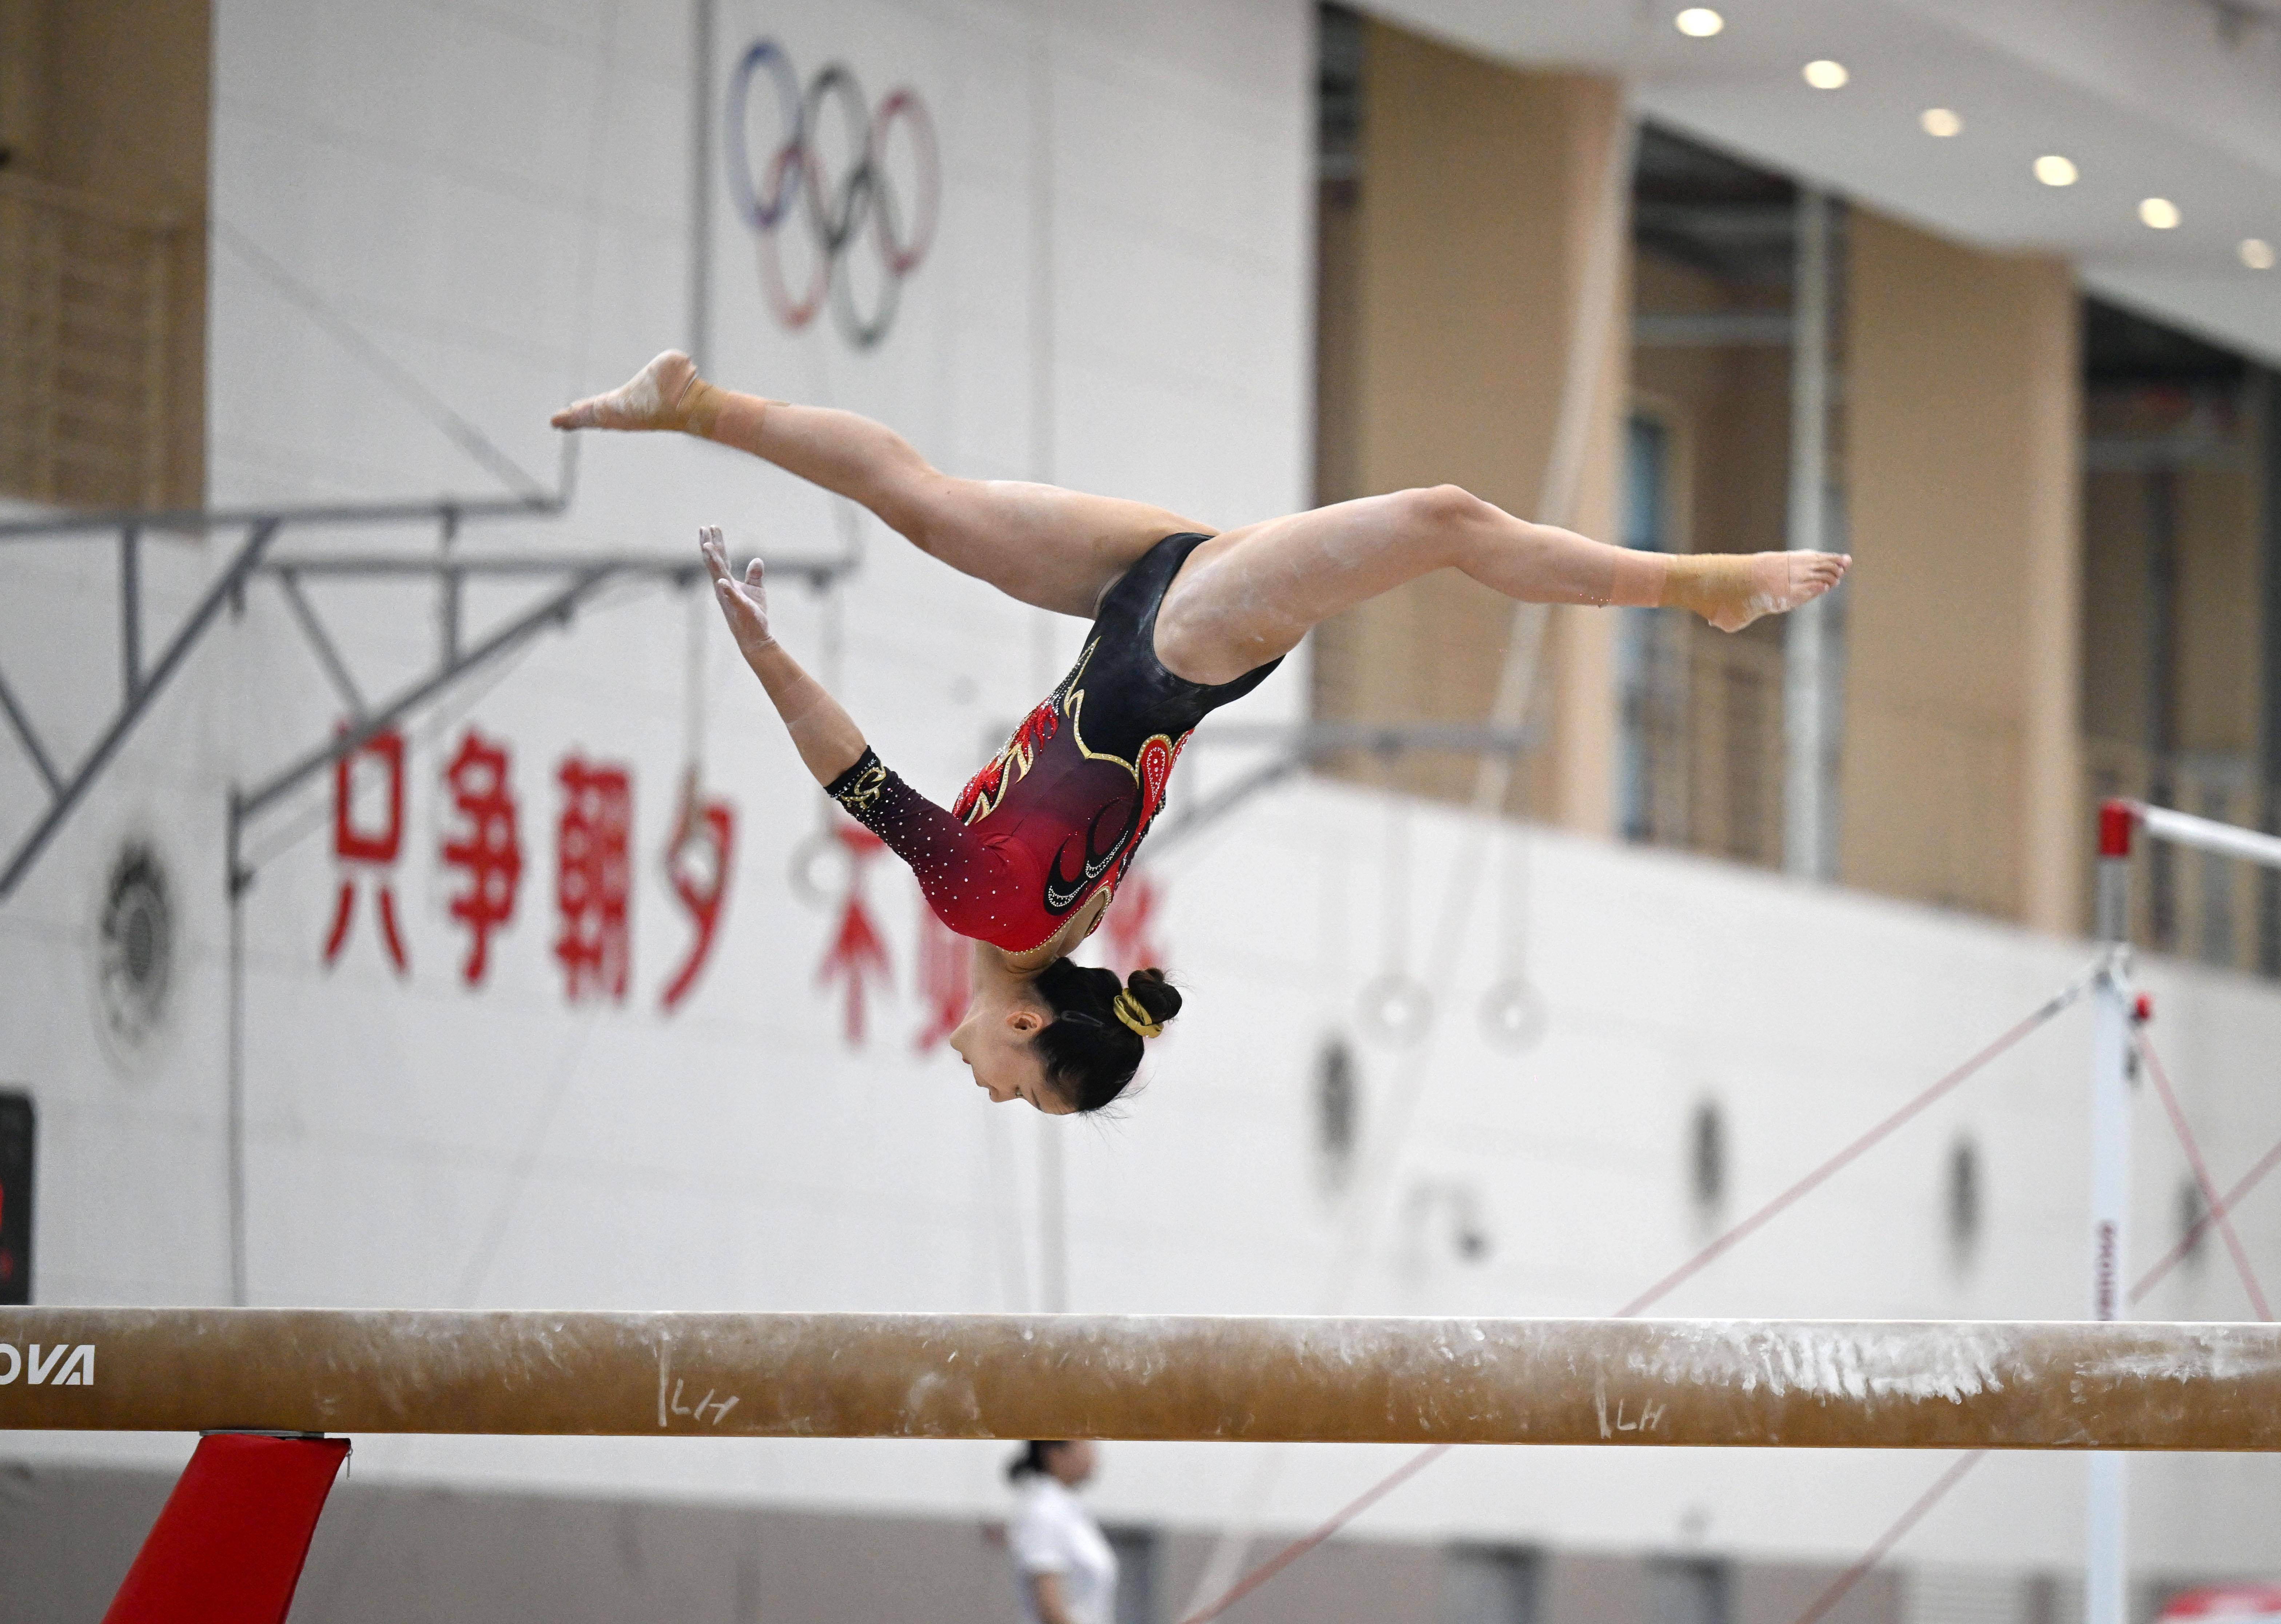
(1791, 1384)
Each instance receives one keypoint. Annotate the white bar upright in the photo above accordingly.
(2106, 1571)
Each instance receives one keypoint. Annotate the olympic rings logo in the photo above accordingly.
(836, 211)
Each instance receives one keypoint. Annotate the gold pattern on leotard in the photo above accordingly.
(1071, 832)
(1074, 709)
(863, 794)
(987, 790)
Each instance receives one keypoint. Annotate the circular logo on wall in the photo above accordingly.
(830, 170)
(137, 937)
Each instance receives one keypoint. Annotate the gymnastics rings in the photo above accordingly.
(834, 211)
(1396, 1009)
(1513, 1014)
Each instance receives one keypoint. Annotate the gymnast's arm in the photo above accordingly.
(826, 735)
(967, 882)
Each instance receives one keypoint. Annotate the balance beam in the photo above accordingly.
(1817, 1384)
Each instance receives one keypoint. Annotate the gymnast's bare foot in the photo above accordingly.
(1781, 581)
(666, 394)
(1731, 589)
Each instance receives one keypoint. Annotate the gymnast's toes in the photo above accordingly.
(655, 398)
(1782, 581)
(1812, 574)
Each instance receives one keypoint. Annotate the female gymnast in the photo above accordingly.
(1184, 619)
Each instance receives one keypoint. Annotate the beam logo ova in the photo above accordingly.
(56, 1365)
(831, 170)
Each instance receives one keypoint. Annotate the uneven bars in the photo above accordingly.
(1799, 1383)
(2207, 833)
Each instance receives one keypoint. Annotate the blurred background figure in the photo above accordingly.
(1064, 1571)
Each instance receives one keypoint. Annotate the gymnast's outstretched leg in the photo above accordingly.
(1057, 549)
(1248, 595)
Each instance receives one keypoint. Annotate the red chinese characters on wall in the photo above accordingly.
(481, 847)
(856, 955)
(593, 879)
(696, 867)
(487, 850)
(367, 845)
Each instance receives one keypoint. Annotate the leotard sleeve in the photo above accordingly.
(967, 879)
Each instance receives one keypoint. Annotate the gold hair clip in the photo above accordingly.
(1129, 1010)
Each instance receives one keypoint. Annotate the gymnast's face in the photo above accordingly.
(994, 1039)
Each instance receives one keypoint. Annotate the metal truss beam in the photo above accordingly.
(556, 608)
(814, 571)
(131, 710)
(140, 686)
(591, 571)
(196, 521)
(29, 738)
(321, 642)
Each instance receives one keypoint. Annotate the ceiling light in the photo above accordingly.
(1698, 22)
(1940, 121)
(2257, 253)
(2052, 170)
(2158, 212)
(1825, 74)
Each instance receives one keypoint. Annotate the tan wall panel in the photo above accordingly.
(1743, 505)
(1925, 833)
(118, 106)
(2054, 836)
(1728, 411)
(2216, 615)
(126, 100)
(1480, 187)
(23, 78)
(1730, 406)
(2219, 630)
(1466, 270)
(2118, 682)
(1960, 778)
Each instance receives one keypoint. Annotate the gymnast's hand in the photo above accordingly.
(743, 604)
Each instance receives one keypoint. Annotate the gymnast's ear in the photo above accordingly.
(1025, 1022)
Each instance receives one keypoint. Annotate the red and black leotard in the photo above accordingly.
(1057, 816)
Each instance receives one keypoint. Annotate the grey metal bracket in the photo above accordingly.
(586, 572)
(66, 793)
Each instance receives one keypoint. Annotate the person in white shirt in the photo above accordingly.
(1064, 1572)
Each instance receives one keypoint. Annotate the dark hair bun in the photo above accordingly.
(1150, 989)
(1089, 1052)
